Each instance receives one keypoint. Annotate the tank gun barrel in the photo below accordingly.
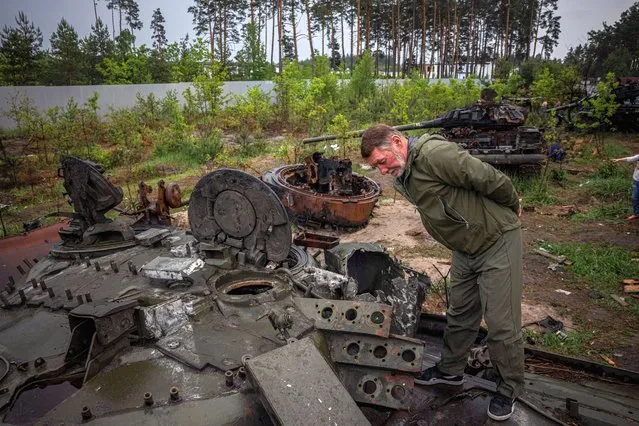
(431, 124)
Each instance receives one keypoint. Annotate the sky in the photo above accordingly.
(577, 18)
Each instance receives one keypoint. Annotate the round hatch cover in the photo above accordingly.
(234, 208)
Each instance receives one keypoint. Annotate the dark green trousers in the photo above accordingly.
(488, 284)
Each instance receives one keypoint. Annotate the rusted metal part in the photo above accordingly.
(349, 316)
(396, 352)
(234, 208)
(378, 387)
(307, 206)
(297, 375)
(309, 239)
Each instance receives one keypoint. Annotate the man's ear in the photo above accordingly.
(396, 140)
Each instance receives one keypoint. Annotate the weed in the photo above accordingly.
(601, 266)
(575, 342)
(613, 211)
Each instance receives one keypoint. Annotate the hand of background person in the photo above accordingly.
(616, 160)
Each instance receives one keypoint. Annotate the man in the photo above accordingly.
(635, 185)
(472, 209)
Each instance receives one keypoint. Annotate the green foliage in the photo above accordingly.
(251, 59)
(606, 211)
(20, 50)
(251, 111)
(208, 96)
(124, 134)
(289, 88)
(601, 266)
(362, 84)
(602, 106)
(66, 55)
(574, 344)
(534, 190)
(320, 101)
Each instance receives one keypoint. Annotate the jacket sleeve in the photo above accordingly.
(456, 167)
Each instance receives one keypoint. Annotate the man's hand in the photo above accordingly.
(519, 209)
(616, 160)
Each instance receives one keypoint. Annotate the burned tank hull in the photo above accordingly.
(306, 204)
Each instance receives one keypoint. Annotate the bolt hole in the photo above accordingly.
(327, 312)
(398, 392)
(351, 314)
(369, 387)
(408, 355)
(352, 349)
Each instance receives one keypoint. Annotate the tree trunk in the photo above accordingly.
(279, 32)
(310, 36)
(507, 32)
(294, 24)
(455, 40)
(433, 37)
(359, 33)
(273, 34)
(412, 38)
(226, 20)
(398, 59)
(113, 23)
(422, 49)
(471, 57)
(368, 24)
(211, 40)
(343, 47)
(537, 32)
(95, 11)
(351, 66)
(530, 26)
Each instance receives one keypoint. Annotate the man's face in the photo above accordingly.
(390, 158)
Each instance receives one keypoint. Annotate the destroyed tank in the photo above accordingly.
(492, 131)
(133, 321)
(624, 119)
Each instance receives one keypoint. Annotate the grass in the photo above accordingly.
(604, 212)
(601, 266)
(534, 190)
(576, 343)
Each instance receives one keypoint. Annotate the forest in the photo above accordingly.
(434, 38)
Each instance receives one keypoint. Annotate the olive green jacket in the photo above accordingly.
(463, 202)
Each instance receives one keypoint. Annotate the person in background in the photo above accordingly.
(635, 184)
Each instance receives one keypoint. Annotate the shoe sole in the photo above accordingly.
(439, 382)
(501, 418)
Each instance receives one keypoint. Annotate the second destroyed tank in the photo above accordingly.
(490, 130)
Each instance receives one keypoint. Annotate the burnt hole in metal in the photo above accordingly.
(352, 349)
(408, 355)
(380, 352)
(248, 287)
(351, 314)
(327, 312)
(398, 392)
(369, 387)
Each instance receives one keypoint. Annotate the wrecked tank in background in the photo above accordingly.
(493, 131)
(324, 191)
(624, 119)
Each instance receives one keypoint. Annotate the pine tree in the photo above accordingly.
(159, 33)
(96, 47)
(20, 47)
(66, 54)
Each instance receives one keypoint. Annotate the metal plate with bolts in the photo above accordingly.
(234, 208)
(172, 268)
(346, 315)
(396, 353)
(377, 387)
(298, 387)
